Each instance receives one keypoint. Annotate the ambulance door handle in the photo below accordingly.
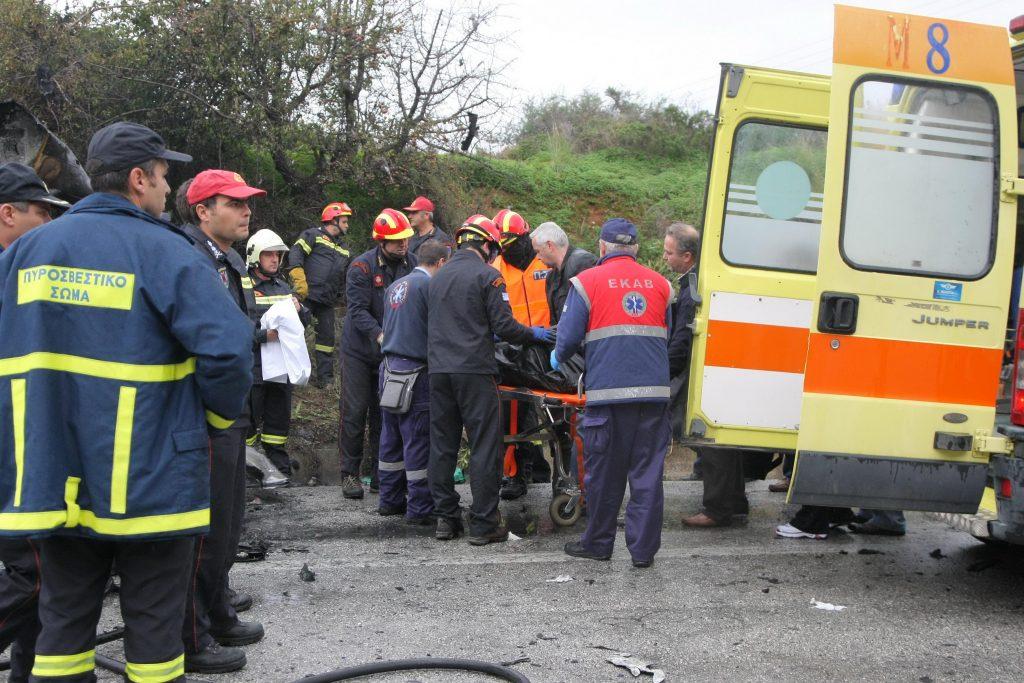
(837, 313)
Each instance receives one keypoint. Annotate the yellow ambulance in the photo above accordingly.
(857, 261)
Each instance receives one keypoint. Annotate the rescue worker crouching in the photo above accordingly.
(368, 278)
(621, 311)
(317, 264)
(525, 276)
(218, 206)
(271, 402)
(405, 436)
(468, 307)
(118, 358)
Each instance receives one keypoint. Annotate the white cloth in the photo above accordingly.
(287, 359)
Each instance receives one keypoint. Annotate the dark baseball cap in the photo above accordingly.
(125, 144)
(19, 183)
(618, 231)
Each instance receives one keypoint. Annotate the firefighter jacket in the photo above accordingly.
(468, 306)
(269, 292)
(526, 291)
(369, 276)
(619, 311)
(118, 345)
(323, 261)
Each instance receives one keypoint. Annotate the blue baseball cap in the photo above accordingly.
(19, 183)
(618, 231)
(125, 144)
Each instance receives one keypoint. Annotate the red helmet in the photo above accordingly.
(511, 223)
(391, 225)
(479, 228)
(333, 210)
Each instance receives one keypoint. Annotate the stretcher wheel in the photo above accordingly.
(560, 515)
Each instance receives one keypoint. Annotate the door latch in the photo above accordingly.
(837, 313)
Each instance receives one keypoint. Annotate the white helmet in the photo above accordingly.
(261, 241)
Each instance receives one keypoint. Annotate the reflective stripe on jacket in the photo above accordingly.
(620, 312)
(526, 293)
(325, 261)
(118, 345)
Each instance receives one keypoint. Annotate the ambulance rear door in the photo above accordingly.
(914, 267)
(758, 256)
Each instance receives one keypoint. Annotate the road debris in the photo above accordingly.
(561, 578)
(827, 606)
(937, 554)
(635, 666)
(307, 574)
(870, 551)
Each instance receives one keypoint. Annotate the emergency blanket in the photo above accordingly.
(530, 366)
(287, 359)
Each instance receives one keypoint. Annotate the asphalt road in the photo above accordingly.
(734, 603)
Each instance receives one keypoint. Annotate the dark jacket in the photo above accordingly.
(468, 306)
(369, 276)
(269, 292)
(680, 340)
(119, 345)
(557, 286)
(416, 241)
(325, 260)
(405, 317)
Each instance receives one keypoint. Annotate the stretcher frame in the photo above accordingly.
(552, 410)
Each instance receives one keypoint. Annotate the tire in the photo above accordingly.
(558, 512)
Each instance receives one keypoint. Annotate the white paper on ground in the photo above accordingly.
(561, 578)
(287, 359)
(827, 606)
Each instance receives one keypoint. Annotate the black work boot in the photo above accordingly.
(240, 602)
(215, 659)
(351, 487)
(390, 510)
(448, 529)
(498, 534)
(576, 549)
(239, 633)
(513, 487)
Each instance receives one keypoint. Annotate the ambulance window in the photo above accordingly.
(921, 180)
(773, 212)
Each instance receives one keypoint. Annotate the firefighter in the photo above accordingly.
(421, 218)
(468, 306)
(525, 275)
(405, 438)
(116, 360)
(317, 264)
(25, 204)
(219, 208)
(369, 276)
(621, 311)
(271, 402)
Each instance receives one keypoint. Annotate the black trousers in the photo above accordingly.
(724, 485)
(75, 572)
(271, 404)
(816, 519)
(323, 344)
(208, 604)
(470, 401)
(360, 410)
(19, 604)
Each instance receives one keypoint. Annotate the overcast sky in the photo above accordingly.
(672, 48)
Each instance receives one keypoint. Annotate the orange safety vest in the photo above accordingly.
(526, 294)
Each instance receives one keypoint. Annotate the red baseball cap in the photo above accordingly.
(214, 182)
(421, 203)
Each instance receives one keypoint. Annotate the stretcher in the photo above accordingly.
(552, 410)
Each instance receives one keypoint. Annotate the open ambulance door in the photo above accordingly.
(914, 267)
(758, 256)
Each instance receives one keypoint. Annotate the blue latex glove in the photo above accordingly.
(554, 360)
(543, 334)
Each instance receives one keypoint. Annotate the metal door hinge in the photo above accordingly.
(1012, 188)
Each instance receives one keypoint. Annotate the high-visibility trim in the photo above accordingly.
(331, 245)
(756, 346)
(132, 526)
(274, 439)
(104, 369)
(301, 243)
(630, 393)
(122, 450)
(18, 413)
(74, 513)
(415, 475)
(391, 466)
(216, 421)
(273, 299)
(323, 347)
(246, 282)
(157, 672)
(578, 286)
(51, 666)
(626, 331)
(253, 440)
(907, 370)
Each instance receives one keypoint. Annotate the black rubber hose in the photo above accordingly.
(109, 664)
(345, 674)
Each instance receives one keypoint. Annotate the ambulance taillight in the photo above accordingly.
(1005, 488)
(1017, 402)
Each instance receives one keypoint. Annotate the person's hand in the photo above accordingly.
(272, 335)
(543, 334)
(298, 304)
(380, 339)
(554, 360)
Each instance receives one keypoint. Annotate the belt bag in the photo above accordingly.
(396, 394)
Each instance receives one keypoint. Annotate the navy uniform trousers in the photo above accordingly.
(323, 343)
(360, 413)
(625, 443)
(271, 404)
(405, 447)
(19, 604)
